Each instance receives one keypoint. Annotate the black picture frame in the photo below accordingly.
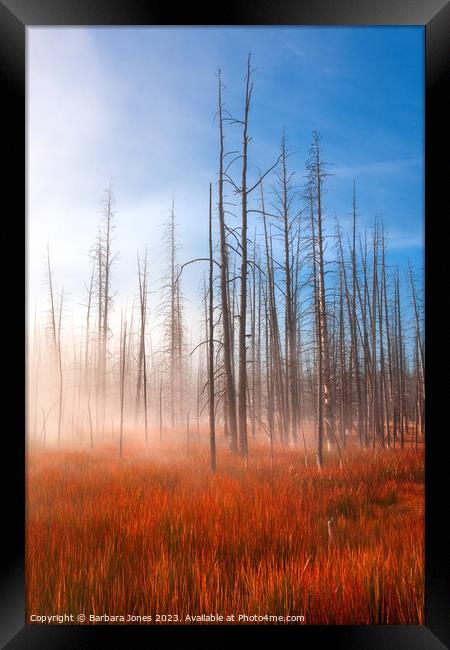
(15, 16)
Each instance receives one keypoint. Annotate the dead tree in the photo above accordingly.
(212, 425)
(317, 175)
(384, 404)
(400, 353)
(365, 319)
(353, 325)
(107, 259)
(389, 375)
(172, 319)
(56, 337)
(99, 260)
(244, 190)
(418, 361)
(142, 363)
(374, 405)
(351, 314)
(242, 381)
(60, 367)
(123, 355)
(417, 322)
(342, 363)
(274, 353)
(88, 319)
(255, 328)
(285, 194)
(226, 324)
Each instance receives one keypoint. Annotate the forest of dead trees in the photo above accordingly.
(309, 337)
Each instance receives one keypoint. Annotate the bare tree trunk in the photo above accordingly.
(187, 434)
(389, 384)
(373, 372)
(90, 418)
(342, 365)
(56, 337)
(421, 365)
(142, 365)
(60, 367)
(274, 339)
(88, 316)
(285, 190)
(361, 426)
(212, 424)
(122, 381)
(199, 372)
(226, 324)
(325, 413)
(384, 424)
(36, 372)
(100, 311)
(253, 339)
(269, 380)
(52, 302)
(160, 412)
(365, 319)
(258, 359)
(179, 349)
(172, 317)
(318, 336)
(108, 259)
(400, 353)
(242, 381)
(351, 313)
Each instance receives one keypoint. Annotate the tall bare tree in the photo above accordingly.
(212, 424)
(226, 321)
(142, 363)
(317, 175)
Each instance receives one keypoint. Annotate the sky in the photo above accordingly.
(137, 106)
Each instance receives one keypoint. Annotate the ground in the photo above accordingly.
(158, 535)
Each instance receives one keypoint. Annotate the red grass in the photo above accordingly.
(143, 536)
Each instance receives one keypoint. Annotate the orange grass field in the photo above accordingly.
(149, 536)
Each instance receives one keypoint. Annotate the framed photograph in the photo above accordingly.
(232, 243)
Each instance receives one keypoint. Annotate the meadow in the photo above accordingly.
(157, 534)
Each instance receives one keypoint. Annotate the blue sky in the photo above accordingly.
(137, 105)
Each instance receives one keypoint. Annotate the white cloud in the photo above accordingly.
(67, 127)
(80, 134)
